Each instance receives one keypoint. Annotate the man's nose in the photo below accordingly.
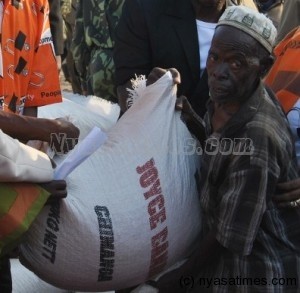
(221, 71)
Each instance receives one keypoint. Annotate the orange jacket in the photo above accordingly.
(284, 76)
(28, 69)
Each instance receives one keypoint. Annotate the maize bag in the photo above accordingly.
(132, 209)
(25, 281)
(84, 112)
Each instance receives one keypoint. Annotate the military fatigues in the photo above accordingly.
(68, 11)
(93, 44)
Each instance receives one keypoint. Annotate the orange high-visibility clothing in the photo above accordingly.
(284, 76)
(28, 69)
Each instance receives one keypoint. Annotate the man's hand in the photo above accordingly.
(56, 188)
(153, 76)
(158, 72)
(26, 128)
(193, 121)
(288, 193)
(187, 112)
(65, 136)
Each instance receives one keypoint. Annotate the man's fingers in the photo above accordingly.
(158, 72)
(60, 184)
(287, 196)
(54, 186)
(175, 75)
(290, 185)
(288, 193)
(155, 75)
(58, 194)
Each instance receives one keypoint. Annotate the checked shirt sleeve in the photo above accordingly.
(244, 194)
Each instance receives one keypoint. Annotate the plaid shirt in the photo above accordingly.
(262, 241)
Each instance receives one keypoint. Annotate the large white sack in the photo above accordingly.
(24, 281)
(83, 111)
(132, 209)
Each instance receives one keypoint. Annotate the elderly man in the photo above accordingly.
(249, 244)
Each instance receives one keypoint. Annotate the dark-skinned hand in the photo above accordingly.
(56, 188)
(157, 72)
(65, 137)
(287, 193)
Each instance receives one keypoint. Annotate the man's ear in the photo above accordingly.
(265, 65)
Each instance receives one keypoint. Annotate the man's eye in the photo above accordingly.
(236, 64)
(212, 57)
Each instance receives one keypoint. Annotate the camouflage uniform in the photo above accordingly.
(93, 44)
(65, 7)
(68, 11)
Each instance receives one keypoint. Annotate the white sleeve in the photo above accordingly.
(19, 162)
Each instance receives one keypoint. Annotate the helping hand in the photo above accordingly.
(289, 193)
(66, 136)
(158, 72)
(56, 188)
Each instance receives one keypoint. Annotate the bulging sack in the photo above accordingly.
(132, 209)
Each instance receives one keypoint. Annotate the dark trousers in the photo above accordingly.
(5, 276)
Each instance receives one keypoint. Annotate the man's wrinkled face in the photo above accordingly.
(233, 65)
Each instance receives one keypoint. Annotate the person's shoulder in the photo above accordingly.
(269, 123)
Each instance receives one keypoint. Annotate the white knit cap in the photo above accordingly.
(255, 24)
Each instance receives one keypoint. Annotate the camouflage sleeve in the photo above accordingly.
(79, 47)
(105, 15)
(65, 7)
